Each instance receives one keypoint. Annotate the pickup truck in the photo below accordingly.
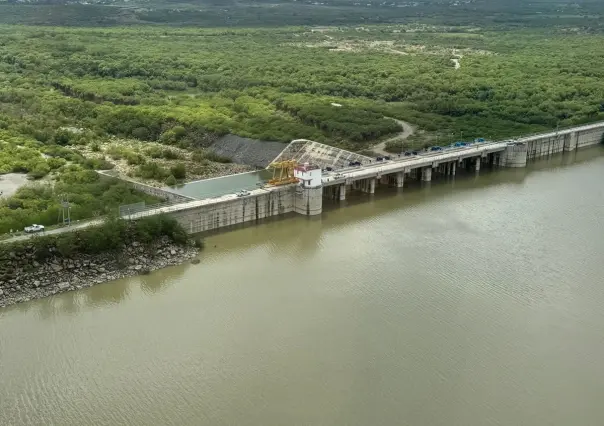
(34, 228)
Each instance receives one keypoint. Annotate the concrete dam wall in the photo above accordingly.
(228, 210)
(563, 141)
(198, 217)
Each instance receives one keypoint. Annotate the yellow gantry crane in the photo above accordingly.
(283, 172)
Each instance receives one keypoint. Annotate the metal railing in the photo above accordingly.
(136, 212)
(559, 129)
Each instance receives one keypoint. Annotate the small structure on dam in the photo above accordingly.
(309, 193)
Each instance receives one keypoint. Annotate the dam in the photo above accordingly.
(324, 172)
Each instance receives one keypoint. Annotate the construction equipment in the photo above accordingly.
(283, 172)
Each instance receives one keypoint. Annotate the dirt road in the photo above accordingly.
(74, 227)
(408, 130)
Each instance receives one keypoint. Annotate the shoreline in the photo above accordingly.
(22, 280)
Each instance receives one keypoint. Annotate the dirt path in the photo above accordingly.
(408, 130)
(457, 59)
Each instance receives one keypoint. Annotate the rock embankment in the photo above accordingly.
(251, 152)
(23, 278)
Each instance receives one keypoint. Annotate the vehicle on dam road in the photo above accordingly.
(34, 228)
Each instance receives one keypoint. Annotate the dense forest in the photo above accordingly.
(185, 86)
(70, 94)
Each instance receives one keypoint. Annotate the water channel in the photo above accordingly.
(472, 302)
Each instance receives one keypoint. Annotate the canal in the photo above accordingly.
(471, 302)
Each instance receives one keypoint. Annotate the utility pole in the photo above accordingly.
(65, 208)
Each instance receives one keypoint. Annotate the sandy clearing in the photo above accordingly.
(11, 182)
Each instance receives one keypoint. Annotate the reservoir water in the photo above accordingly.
(473, 302)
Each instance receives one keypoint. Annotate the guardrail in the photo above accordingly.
(560, 129)
(128, 214)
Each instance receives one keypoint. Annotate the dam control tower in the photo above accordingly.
(309, 193)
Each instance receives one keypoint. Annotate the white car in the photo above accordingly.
(243, 193)
(34, 228)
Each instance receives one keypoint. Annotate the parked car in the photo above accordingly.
(34, 228)
(243, 193)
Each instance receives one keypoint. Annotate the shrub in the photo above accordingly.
(179, 171)
(56, 163)
(141, 133)
(171, 180)
(39, 171)
(217, 158)
(170, 154)
(97, 164)
(152, 170)
(134, 159)
(198, 156)
(154, 152)
(394, 147)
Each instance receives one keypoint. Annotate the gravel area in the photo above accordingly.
(251, 152)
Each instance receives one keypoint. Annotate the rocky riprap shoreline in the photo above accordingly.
(23, 278)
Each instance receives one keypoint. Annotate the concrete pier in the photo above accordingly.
(342, 192)
(427, 174)
(400, 179)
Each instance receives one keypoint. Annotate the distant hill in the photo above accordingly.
(256, 13)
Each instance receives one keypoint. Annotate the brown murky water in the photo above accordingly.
(474, 302)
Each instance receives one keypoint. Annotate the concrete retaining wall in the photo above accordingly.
(236, 211)
(147, 189)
